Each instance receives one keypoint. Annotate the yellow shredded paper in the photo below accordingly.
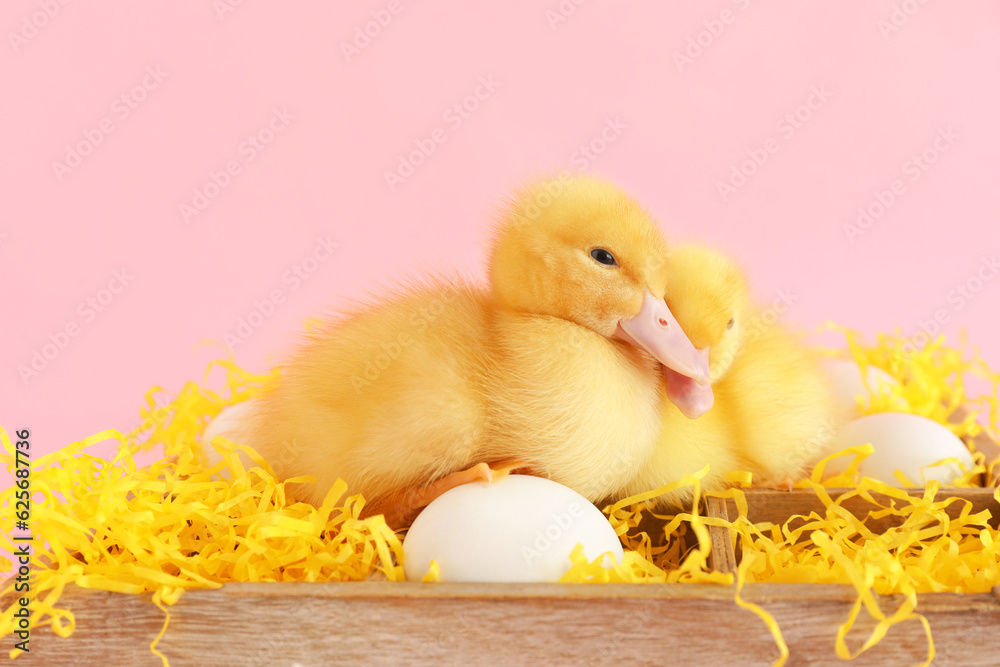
(179, 524)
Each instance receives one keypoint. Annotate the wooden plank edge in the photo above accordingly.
(778, 506)
(723, 555)
(388, 623)
(415, 590)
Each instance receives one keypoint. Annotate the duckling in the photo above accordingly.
(774, 408)
(555, 368)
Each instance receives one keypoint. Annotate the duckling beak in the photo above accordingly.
(690, 397)
(655, 329)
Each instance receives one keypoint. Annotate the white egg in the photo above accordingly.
(847, 383)
(517, 529)
(901, 441)
(228, 423)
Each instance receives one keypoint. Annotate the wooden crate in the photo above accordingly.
(379, 622)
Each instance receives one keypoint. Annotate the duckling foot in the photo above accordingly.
(402, 507)
(780, 483)
(501, 469)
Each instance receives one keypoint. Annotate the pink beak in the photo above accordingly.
(655, 330)
(690, 397)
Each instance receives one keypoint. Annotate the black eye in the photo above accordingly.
(603, 256)
(732, 321)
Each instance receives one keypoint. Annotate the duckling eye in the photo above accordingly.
(603, 256)
(732, 321)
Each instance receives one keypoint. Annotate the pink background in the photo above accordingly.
(681, 128)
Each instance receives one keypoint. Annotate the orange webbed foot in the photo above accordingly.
(402, 507)
(779, 483)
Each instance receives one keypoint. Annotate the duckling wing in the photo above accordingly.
(783, 406)
(389, 397)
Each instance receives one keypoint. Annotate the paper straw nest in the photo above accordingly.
(178, 524)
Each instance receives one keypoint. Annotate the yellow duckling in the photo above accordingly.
(555, 368)
(774, 409)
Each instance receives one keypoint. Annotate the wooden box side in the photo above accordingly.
(385, 623)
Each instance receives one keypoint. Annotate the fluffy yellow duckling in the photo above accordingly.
(774, 409)
(555, 368)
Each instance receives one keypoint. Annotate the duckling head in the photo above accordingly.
(581, 250)
(710, 296)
